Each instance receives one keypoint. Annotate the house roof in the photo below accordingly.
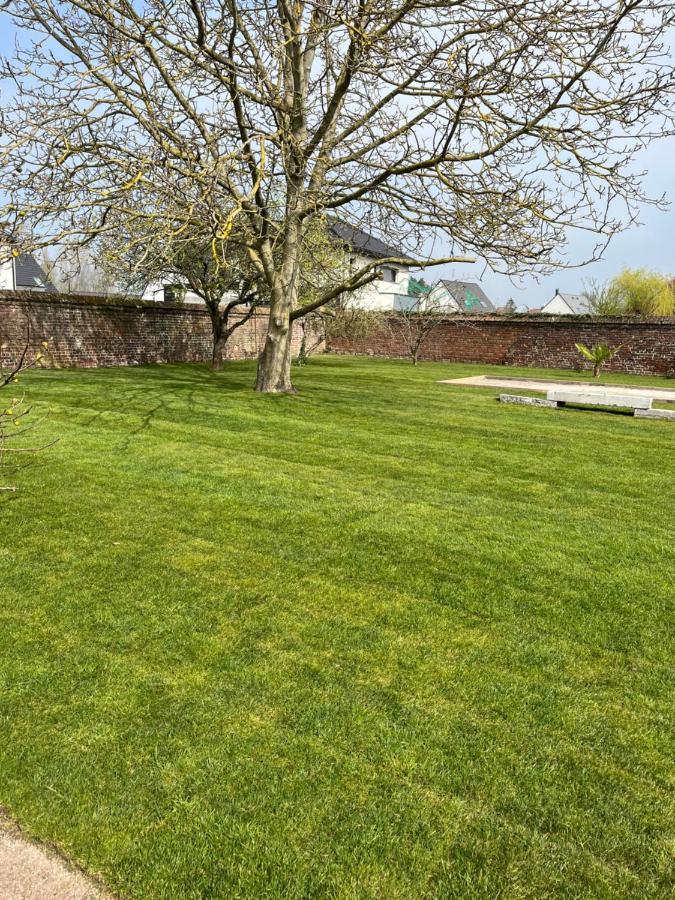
(576, 303)
(28, 273)
(365, 243)
(469, 296)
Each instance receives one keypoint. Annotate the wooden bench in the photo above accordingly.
(641, 404)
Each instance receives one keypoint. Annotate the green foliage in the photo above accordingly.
(604, 299)
(323, 262)
(351, 322)
(632, 292)
(209, 268)
(365, 643)
(598, 354)
(175, 293)
(418, 287)
(643, 292)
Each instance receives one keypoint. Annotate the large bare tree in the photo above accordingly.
(487, 127)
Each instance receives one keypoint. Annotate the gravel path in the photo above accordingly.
(31, 872)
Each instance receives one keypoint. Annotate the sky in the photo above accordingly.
(651, 244)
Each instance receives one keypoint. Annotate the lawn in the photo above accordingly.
(385, 639)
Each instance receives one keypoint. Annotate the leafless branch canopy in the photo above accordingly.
(485, 127)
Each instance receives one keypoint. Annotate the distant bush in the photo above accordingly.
(643, 292)
(637, 292)
(603, 299)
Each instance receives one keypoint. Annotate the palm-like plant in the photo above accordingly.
(598, 354)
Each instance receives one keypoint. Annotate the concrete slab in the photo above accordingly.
(31, 872)
(588, 397)
(655, 414)
(543, 385)
(526, 401)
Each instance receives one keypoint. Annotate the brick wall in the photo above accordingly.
(91, 332)
(648, 345)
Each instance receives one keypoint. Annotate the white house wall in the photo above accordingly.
(440, 297)
(155, 292)
(7, 276)
(379, 294)
(556, 307)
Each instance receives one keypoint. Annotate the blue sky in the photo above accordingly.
(651, 244)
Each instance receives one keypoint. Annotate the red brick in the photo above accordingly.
(94, 333)
(647, 345)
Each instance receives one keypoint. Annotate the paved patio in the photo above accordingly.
(31, 872)
(666, 395)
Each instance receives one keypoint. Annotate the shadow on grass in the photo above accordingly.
(608, 410)
(235, 376)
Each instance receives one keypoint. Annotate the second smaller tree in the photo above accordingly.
(216, 270)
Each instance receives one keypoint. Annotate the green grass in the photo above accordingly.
(385, 639)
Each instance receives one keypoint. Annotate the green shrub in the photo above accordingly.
(643, 292)
(603, 299)
(598, 354)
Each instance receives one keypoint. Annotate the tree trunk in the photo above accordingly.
(303, 355)
(274, 363)
(596, 370)
(219, 340)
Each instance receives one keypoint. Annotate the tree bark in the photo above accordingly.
(274, 363)
(219, 340)
(302, 352)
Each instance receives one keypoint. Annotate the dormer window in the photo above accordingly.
(389, 274)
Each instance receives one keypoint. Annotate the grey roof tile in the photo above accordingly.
(28, 273)
(469, 296)
(364, 242)
(578, 303)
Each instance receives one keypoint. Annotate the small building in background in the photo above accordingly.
(391, 290)
(172, 291)
(566, 305)
(23, 273)
(461, 296)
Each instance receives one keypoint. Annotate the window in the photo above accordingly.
(388, 274)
